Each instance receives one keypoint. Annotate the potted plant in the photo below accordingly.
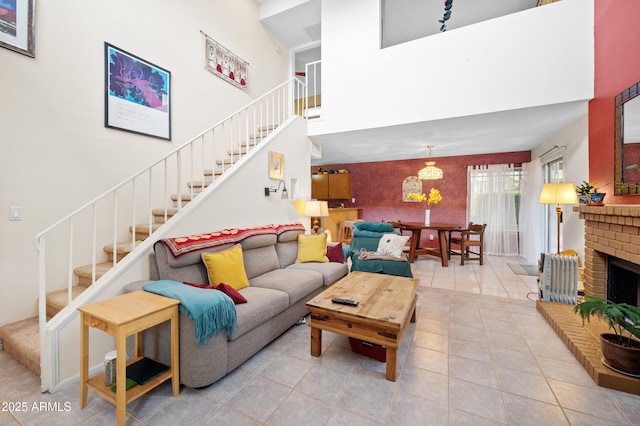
(588, 194)
(621, 353)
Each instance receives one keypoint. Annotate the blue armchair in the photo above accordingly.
(367, 235)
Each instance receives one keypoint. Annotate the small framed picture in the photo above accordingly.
(17, 26)
(276, 165)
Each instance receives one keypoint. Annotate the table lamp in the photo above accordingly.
(315, 210)
(558, 193)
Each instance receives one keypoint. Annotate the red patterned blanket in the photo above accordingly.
(181, 245)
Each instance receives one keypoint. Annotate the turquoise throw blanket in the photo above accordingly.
(212, 311)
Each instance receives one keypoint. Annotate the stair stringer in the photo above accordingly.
(62, 331)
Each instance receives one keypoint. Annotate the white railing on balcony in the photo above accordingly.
(124, 215)
(313, 85)
(309, 105)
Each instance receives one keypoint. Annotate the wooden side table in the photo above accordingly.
(120, 317)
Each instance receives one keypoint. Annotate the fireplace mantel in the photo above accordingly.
(612, 230)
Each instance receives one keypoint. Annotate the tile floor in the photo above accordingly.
(478, 354)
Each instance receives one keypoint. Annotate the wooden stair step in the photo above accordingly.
(21, 340)
(84, 273)
(57, 300)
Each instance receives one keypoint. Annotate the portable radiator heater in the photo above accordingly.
(559, 278)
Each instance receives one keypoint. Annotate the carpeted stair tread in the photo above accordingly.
(84, 273)
(185, 197)
(244, 148)
(21, 340)
(158, 214)
(57, 300)
(142, 231)
(122, 249)
(227, 162)
(267, 128)
(199, 185)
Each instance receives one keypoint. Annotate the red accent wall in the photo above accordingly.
(377, 187)
(617, 66)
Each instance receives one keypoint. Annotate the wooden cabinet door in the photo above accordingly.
(335, 186)
(320, 187)
(339, 186)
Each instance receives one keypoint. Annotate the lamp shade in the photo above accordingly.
(558, 193)
(316, 208)
(430, 172)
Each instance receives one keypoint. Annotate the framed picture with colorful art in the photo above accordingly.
(17, 26)
(137, 94)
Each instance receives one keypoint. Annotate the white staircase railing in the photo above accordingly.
(129, 211)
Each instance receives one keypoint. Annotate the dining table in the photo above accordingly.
(414, 243)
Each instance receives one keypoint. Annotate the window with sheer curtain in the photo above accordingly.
(493, 198)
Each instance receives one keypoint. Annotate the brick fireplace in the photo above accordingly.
(610, 232)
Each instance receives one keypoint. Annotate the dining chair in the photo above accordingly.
(472, 236)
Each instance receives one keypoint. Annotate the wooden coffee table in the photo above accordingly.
(387, 304)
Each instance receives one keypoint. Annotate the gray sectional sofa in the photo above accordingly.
(279, 288)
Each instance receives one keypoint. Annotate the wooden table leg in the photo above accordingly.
(415, 240)
(175, 351)
(316, 341)
(84, 361)
(444, 256)
(121, 377)
(392, 363)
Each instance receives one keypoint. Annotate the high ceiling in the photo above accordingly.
(517, 130)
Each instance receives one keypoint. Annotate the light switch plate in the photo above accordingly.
(15, 213)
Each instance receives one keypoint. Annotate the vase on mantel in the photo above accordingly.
(427, 217)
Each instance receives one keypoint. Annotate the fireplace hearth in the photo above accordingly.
(612, 271)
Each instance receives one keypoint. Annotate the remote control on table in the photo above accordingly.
(344, 301)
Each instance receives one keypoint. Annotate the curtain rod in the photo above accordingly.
(222, 45)
(551, 149)
(511, 165)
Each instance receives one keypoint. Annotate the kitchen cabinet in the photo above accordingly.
(333, 186)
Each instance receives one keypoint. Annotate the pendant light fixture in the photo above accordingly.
(431, 172)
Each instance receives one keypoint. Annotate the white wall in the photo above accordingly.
(56, 154)
(471, 70)
(573, 143)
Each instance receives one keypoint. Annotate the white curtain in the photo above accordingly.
(492, 200)
(532, 213)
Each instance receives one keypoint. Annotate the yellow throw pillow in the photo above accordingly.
(226, 266)
(312, 248)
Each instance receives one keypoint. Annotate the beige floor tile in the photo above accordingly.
(470, 359)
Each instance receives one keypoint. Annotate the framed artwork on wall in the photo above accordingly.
(137, 94)
(17, 26)
(411, 185)
(276, 165)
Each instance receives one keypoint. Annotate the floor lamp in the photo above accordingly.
(558, 193)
